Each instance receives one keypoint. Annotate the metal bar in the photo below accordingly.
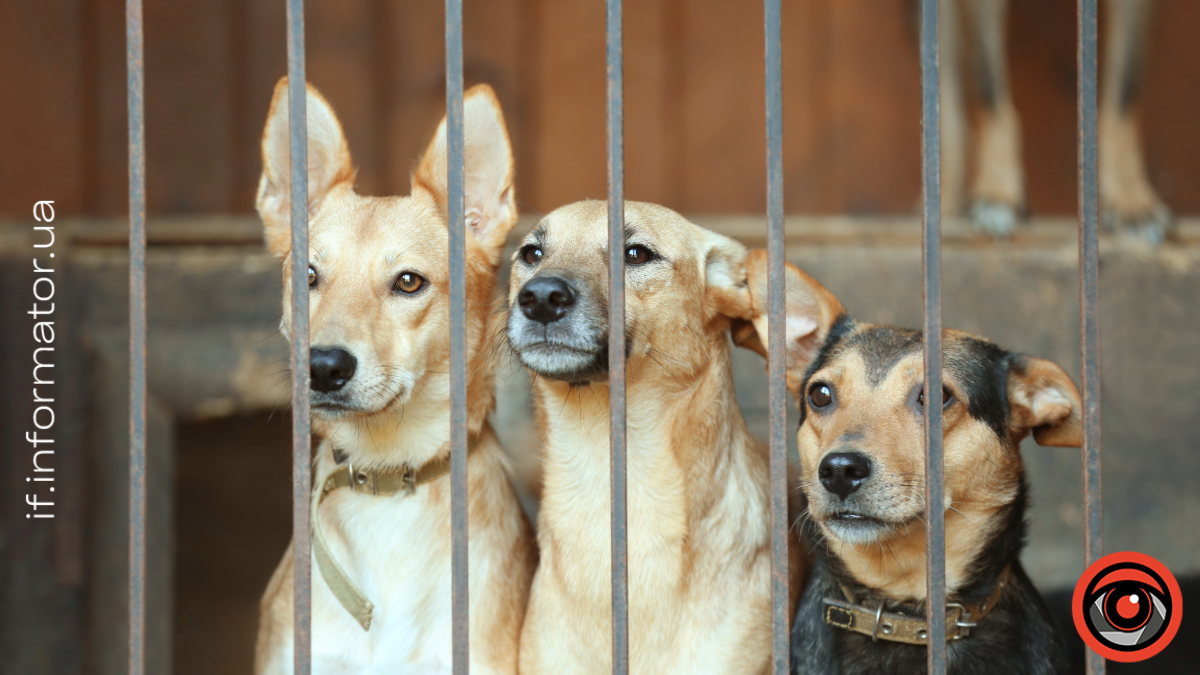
(301, 430)
(616, 334)
(1089, 299)
(135, 81)
(777, 353)
(456, 215)
(931, 263)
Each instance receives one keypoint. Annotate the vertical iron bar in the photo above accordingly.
(456, 217)
(931, 262)
(616, 334)
(1089, 300)
(135, 82)
(777, 355)
(301, 430)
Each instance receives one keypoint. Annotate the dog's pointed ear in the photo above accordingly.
(329, 164)
(490, 205)
(811, 311)
(1042, 397)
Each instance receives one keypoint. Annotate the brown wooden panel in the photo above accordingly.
(188, 114)
(41, 118)
(694, 100)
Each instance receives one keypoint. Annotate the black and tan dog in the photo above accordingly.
(859, 387)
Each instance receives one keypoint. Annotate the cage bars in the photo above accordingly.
(301, 423)
(615, 123)
(135, 87)
(456, 220)
(931, 267)
(1089, 296)
(776, 342)
(299, 338)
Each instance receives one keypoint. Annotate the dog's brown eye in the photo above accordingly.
(312, 277)
(945, 397)
(638, 255)
(532, 255)
(408, 282)
(820, 395)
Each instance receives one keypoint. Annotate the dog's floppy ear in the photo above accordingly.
(1042, 397)
(490, 205)
(726, 293)
(329, 163)
(810, 310)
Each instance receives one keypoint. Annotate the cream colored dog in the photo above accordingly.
(380, 398)
(699, 538)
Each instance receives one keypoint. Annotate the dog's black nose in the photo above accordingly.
(844, 472)
(331, 369)
(546, 299)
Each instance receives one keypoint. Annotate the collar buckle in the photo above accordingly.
(409, 478)
(962, 621)
(362, 481)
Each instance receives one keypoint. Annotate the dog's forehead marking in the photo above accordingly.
(975, 367)
(882, 348)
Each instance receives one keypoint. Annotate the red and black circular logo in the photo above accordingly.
(1127, 606)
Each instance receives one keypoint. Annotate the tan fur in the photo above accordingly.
(397, 549)
(982, 473)
(699, 539)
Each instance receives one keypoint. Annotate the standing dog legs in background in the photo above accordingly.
(1127, 200)
(996, 194)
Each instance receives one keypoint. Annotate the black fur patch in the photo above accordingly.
(882, 347)
(981, 369)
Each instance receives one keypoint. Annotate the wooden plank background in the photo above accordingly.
(694, 98)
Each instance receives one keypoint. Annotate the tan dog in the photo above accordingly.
(380, 367)
(861, 441)
(699, 541)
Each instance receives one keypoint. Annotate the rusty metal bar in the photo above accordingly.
(456, 217)
(776, 347)
(931, 263)
(135, 81)
(616, 334)
(1089, 297)
(301, 429)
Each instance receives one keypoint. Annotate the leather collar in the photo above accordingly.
(881, 625)
(382, 482)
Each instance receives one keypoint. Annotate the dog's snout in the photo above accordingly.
(546, 299)
(842, 473)
(331, 369)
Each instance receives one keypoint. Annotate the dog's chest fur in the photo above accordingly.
(396, 549)
(698, 546)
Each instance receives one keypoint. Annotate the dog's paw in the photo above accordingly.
(994, 218)
(1148, 227)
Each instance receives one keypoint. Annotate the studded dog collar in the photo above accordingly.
(881, 625)
(376, 482)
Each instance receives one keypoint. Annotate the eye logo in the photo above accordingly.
(1127, 607)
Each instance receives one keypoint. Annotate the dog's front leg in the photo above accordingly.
(998, 186)
(1126, 195)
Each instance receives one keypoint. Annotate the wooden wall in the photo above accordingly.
(694, 99)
